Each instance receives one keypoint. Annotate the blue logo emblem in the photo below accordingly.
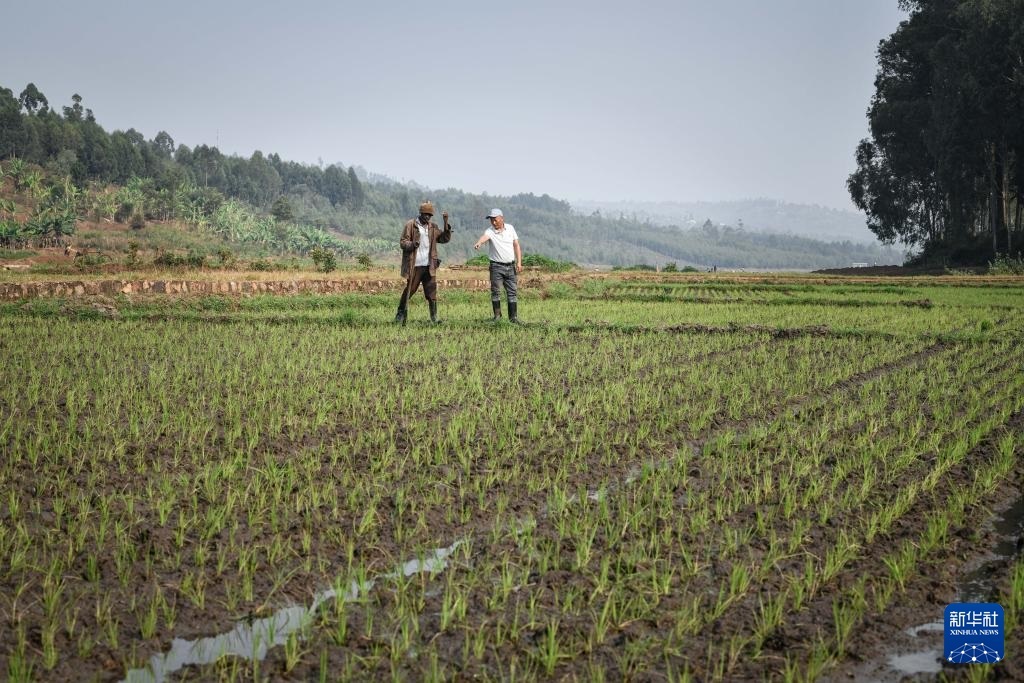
(973, 633)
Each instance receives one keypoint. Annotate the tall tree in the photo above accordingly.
(282, 209)
(358, 195)
(75, 112)
(336, 185)
(33, 101)
(13, 135)
(164, 144)
(942, 165)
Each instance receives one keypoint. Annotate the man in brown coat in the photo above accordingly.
(419, 241)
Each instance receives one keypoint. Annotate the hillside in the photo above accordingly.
(760, 215)
(552, 227)
(71, 169)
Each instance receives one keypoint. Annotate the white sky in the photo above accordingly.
(679, 100)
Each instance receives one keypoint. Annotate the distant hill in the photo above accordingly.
(71, 168)
(762, 215)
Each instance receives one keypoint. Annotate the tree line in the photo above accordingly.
(71, 143)
(942, 168)
(295, 207)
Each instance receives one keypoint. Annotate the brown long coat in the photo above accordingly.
(410, 242)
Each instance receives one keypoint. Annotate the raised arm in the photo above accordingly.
(483, 239)
(446, 234)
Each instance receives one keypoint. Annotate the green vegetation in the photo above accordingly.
(324, 259)
(942, 169)
(1005, 265)
(704, 480)
(283, 207)
(530, 261)
(763, 215)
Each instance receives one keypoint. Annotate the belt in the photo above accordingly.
(503, 263)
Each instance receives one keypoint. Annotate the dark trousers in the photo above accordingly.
(420, 275)
(503, 275)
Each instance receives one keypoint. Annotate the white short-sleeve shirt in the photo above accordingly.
(499, 244)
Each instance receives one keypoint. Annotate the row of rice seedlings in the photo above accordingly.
(675, 292)
(761, 295)
(874, 409)
(847, 547)
(268, 476)
(1012, 600)
(977, 312)
(854, 602)
(734, 574)
(894, 320)
(198, 490)
(555, 649)
(846, 544)
(831, 562)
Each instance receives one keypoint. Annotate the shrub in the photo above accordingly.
(171, 260)
(530, 260)
(547, 264)
(324, 259)
(195, 259)
(90, 260)
(261, 264)
(364, 260)
(133, 253)
(124, 211)
(1004, 264)
(227, 257)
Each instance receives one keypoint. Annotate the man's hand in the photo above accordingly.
(477, 246)
(519, 267)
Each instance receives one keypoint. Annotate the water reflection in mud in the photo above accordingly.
(979, 585)
(252, 640)
(928, 659)
(918, 650)
(926, 662)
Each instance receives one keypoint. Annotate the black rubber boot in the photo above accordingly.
(496, 305)
(401, 315)
(512, 316)
(433, 312)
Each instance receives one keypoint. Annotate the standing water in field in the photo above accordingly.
(978, 585)
(252, 640)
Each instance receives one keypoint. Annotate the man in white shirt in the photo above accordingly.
(506, 261)
(420, 237)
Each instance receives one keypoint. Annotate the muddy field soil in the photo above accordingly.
(695, 533)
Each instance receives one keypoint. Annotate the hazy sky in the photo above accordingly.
(679, 100)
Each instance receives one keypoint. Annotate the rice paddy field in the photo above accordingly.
(653, 479)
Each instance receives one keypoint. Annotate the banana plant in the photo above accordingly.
(7, 209)
(11, 234)
(15, 168)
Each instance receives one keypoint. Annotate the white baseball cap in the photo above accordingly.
(494, 213)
